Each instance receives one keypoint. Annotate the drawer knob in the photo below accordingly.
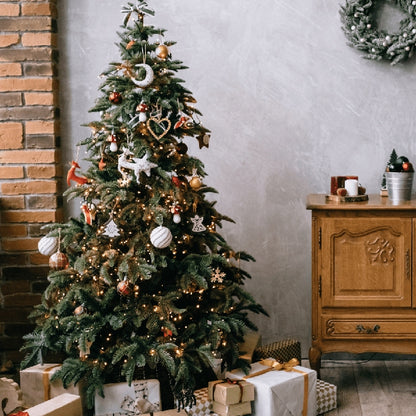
(367, 330)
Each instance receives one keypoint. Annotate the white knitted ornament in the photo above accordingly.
(48, 245)
(161, 237)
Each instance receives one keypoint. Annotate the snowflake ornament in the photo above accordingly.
(217, 276)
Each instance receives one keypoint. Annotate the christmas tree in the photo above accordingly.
(142, 278)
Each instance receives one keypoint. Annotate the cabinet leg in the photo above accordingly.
(315, 355)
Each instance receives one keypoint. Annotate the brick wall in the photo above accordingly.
(29, 160)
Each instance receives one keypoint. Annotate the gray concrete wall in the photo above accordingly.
(289, 105)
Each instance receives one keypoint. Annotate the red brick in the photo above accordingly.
(18, 300)
(27, 113)
(38, 69)
(28, 156)
(11, 172)
(41, 141)
(42, 171)
(26, 54)
(14, 315)
(10, 99)
(29, 187)
(11, 136)
(12, 69)
(12, 202)
(26, 84)
(15, 230)
(9, 40)
(39, 98)
(13, 258)
(9, 9)
(19, 244)
(36, 9)
(31, 216)
(40, 127)
(38, 259)
(39, 39)
(42, 202)
(25, 24)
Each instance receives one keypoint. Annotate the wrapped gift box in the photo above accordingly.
(238, 409)
(283, 350)
(281, 393)
(37, 387)
(173, 412)
(326, 397)
(203, 406)
(120, 399)
(63, 405)
(227, 392)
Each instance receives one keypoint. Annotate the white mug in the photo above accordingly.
(351, 185)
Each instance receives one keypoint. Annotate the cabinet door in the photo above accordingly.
(366, 262)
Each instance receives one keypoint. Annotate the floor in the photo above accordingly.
(372, 387)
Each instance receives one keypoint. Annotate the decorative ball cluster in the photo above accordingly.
(360, 28)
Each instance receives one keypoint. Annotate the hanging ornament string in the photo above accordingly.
(360, 27)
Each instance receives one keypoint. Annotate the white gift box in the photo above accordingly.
(63, 405)
(326, 397)
(37, 387)
(120, 399)
(281, 393)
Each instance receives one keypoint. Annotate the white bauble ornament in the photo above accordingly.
(176, 218)
(48, 245)
(148, 79)
(161, 237)
(142, 117)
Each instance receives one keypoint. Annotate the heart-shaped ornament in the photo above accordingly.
(163, 123)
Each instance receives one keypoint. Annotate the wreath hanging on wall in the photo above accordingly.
(360, 28)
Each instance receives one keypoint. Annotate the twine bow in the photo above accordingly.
(230, 381)
(274, 365)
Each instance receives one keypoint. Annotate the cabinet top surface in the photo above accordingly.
(375, 202)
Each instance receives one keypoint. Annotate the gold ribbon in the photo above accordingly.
(273, 365)
(46, 384)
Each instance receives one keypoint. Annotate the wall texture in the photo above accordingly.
(289, 104)
(29, 161)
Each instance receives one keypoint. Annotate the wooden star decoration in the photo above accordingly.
(217, 276)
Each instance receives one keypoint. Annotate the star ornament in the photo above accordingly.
(217, 276)
(143, 165)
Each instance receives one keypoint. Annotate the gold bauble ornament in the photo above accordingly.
(195, 183)
(143, 129)
(162, 51)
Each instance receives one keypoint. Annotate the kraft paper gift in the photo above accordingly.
(36, 385)
(63, 405)
(120, 399)
(238, 409)
(281, 389)
(230, 391)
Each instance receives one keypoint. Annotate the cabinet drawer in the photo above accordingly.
(342, 328)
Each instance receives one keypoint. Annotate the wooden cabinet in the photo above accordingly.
(363, 291)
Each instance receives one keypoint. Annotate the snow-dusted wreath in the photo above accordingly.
(360, 28)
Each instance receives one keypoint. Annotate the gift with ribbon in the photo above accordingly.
(282, 389)
(141, 397)
(63, 405)
(37, 386)
(230, 391)
(203, 406)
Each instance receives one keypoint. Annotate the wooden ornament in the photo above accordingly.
(159, 122)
